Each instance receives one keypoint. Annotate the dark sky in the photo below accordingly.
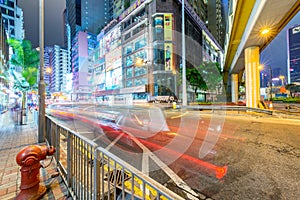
(53, 25)
(275, 55)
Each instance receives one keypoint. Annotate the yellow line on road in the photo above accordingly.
(178, 116)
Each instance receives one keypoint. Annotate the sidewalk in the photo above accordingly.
(13, 138)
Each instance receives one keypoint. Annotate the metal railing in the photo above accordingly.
(230, 108)
(91, 172)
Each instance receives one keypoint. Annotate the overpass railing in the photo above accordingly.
(91, 172)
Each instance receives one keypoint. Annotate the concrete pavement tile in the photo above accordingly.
(3, 192)
(9, 196)
(11, 189)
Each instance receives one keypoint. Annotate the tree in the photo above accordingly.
(293, 88)
(27, 58)
(206, 77)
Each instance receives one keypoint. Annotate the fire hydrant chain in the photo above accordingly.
(48, 163)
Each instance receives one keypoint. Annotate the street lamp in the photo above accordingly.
(41, 123)
(281, 78)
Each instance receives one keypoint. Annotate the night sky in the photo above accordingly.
(53, 25)
(275, 55)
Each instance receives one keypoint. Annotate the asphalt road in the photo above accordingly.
(190, 150)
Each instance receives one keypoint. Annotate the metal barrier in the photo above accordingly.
(231, 108)
(91, 172)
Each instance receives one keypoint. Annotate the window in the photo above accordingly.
(128, 49)
(139, 71)
(129, 61)
(129, 73)
(140, 81)
(129, 83)
(139, 44)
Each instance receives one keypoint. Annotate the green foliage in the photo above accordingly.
(28, 59)
(23, 55)
(205, 77)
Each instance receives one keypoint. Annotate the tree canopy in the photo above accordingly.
(27, 58)
(205, 77)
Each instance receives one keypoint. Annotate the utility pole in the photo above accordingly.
(184, 96)
(271, 77)
(41, 123)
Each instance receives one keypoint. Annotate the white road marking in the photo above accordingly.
(114, 142)
(177, 180)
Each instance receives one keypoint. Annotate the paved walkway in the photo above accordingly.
(13, 138)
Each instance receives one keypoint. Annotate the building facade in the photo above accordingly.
(4, 81)
(12, 19)
(86, 15)
(48, 69)
(59, 64)
(83, 45)
(150, 32)
(293, 37)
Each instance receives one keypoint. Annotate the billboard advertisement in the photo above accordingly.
(114, 79)
(112, 39)
(113, 59)
(168, 27)
(168, 57)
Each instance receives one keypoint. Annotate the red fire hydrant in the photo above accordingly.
(29, 159)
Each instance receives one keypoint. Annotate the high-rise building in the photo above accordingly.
(293, 37)
(59, 63)
(48, 68)
(12, 18)
(4, 53)
(150, 32)
(86, 15)
(216, 20)
(83, 45)
(212, 13)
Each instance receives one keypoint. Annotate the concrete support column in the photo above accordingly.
(252, 76)
(234, 88)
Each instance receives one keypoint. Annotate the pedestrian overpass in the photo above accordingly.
(252, 25)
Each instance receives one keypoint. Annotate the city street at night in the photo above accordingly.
(150, 99)
(260, 152)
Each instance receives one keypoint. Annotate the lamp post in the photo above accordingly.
(271, 77)
(41, 123)
(281, 77)
(184, 96)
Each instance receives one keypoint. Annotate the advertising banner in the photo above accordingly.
(168, 27)
(168, 57)
(113, 59)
